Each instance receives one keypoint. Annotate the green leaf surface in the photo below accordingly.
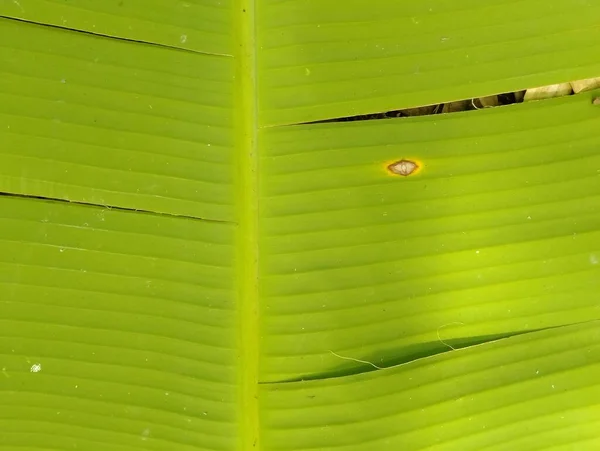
(179, 272)
(116, 329)
(100, 121)
(198, 25)
(319, 60)
(499, 232)
(534, 392)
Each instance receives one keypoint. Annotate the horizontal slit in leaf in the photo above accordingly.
(479, 103)
(107, 207)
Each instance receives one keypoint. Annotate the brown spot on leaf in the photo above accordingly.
(403, 167)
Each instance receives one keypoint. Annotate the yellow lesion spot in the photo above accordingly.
(404, 167)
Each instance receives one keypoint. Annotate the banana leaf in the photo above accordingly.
(189, 262)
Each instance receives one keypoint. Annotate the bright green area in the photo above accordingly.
(259, 256)
(499, 232)
(248, 246)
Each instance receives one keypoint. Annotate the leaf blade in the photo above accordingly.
(122, 124)
(493, 395)
(116, 314)
(321, 61)
(497, 233)
(202, 27)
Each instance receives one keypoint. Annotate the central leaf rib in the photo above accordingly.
(247, 234)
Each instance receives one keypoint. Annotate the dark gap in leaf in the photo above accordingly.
(107, 207)
(479, 103)
(441, 108)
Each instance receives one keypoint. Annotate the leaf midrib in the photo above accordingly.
(247, 232)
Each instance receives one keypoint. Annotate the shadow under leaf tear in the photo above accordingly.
(387, 358)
